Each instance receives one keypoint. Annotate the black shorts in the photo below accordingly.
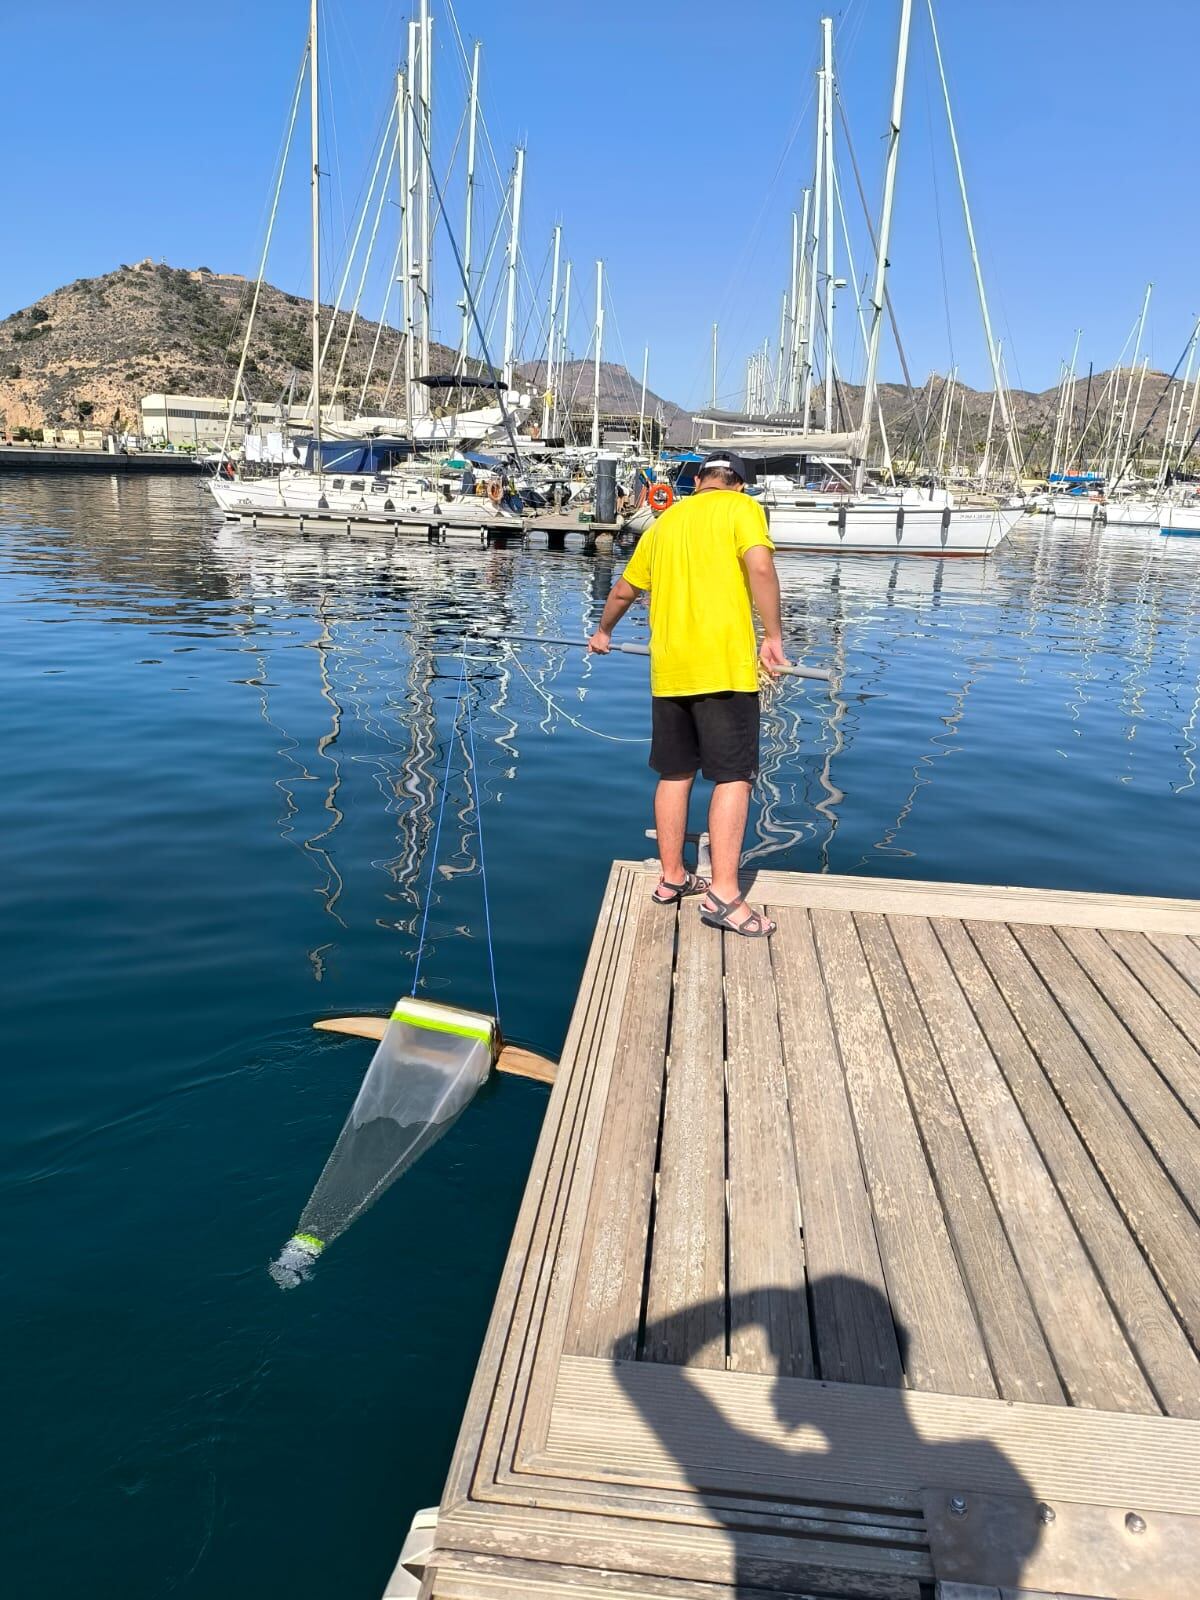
(717, 733)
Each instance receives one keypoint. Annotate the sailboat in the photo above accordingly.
(367, 471)
(850, 516)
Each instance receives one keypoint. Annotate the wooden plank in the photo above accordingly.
(1148, 1200)
(791, 1436)
(945, 1350)
(685, 1304)
(749, 1561)
(1178, 998)
(1165, 1123)
(605, 1312)
(1161, 1345)
(557, 1122)
(1154, 1031)
(485, 1577)
(853, 1332)
(768, 1309)
(523, 1402)
(982, 903)
(1021, 1361)
(1183, 954)
(1089, 1346)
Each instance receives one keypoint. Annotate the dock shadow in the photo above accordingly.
(697, 1433)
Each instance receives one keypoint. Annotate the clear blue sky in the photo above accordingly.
(670, 137)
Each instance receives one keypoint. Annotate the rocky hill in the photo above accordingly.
(89, 352)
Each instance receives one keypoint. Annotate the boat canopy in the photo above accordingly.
(451, 380)
(357, 456)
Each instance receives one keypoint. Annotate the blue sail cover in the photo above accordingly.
(357, 457)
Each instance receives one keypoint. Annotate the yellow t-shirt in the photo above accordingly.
(701, 621)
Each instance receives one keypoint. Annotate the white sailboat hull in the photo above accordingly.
(1134, 513)
(1073, 507)
(881, 527)
(385, 501)
(1181, 519)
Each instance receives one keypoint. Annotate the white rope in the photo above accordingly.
(552, 703)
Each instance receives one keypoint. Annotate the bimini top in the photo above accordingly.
(468, 380)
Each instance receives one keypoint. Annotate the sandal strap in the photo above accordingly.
(724, 907)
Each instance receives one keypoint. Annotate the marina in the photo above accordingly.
(602, 920)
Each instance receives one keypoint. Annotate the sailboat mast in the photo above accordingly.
(713, 401)
(879, 289)
(1014, 452)
(469, 224)
(777, 398)
(799, 307)
(827, 117)
(412, 400)
(642, 408)
(560, 366)
(812, 250)
(550, 337)
(599, 342)
(1069, 415)
(426, 118)
(315, 114)
(510, 310)
(985, 464)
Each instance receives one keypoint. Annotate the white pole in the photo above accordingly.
(943, 429)
(562, 350)
(1014, 452)
(827, 113)
(426, 124)
(550, 337)
(814, 246)
(642, 408)
(469, 226)
(987, 442)
(1069, 420)
(510, 310)
(1118, 445)
(414, 394)
(783, 323)
(798, 304)
(879, 290)
(599, 339)
(1059, 415)
(315, 113)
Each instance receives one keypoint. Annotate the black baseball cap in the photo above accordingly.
(727, 459)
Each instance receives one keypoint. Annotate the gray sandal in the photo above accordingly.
(756, 926)
(691, 885)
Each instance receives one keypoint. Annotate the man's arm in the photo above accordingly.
(764, 591)
(621, 597)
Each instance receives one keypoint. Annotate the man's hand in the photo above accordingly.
(771, 654)
(600, 643)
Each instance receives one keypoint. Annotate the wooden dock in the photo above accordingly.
(864, 1262)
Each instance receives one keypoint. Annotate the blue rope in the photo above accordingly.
(487, 910)
(437, 835)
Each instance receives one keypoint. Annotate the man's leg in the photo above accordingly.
(670, 823)
(727, 813)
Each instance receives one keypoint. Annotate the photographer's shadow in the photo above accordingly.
(840, 1468)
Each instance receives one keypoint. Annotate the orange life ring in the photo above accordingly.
(495, 493)
(661, 496)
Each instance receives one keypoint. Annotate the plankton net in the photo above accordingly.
(430, 1063)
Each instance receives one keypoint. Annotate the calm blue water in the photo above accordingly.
(223, 752)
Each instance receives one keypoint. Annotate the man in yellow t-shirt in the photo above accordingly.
(707, 562)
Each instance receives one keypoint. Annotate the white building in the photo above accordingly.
(197, 419)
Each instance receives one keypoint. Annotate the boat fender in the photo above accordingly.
(661, 497)
(495, 493)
